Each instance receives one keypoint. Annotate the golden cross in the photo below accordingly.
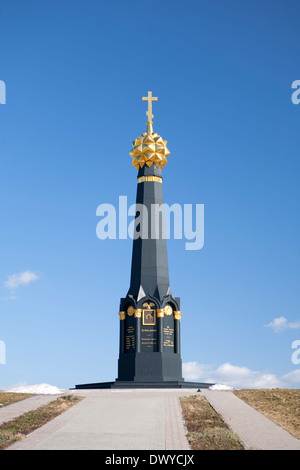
(149, 98)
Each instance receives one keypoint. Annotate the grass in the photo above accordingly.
(280, 405)
(18, 428)
(206, 429)
(7, 398)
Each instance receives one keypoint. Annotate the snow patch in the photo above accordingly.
(220, 387)
(39, 389)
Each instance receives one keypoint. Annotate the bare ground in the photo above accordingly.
(206, 429)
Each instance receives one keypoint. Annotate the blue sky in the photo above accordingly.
(75, 72)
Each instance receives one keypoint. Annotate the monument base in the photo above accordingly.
(132, 384)
(150, 367)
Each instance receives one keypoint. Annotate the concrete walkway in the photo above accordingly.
(115, 420)
(145, 419)
(255, 430)
(20, 407)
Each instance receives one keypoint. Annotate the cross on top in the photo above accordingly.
(149, 98)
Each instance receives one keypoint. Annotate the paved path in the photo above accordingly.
(142, 420)
(20, 407)
(115, 420)
(255, 430)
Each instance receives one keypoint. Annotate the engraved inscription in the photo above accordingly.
(169, 337)
(130, 338)
(148, 339)
(168, 333)
(130, 334)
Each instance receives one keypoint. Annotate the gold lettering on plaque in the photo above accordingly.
(169, 336)
(148, 337)
(130, 338)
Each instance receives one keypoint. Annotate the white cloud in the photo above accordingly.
(292, 377)
(238, 376)
(281, 323)
(194, 370)
(20, 279)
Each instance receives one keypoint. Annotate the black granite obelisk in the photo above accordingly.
(150, 316)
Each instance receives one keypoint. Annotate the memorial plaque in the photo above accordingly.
(130, 335)
(148, 339)
(168, 333)
(149, 331)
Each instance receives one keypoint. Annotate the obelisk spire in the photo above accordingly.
(149, 272)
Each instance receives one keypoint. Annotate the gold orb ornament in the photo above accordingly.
(130, 311)
(149, 148)
(168, 310)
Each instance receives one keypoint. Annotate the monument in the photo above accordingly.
(150, 316)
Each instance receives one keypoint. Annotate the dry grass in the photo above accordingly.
(18, 428)
(280, 405)
(7, 398)
(206, 429)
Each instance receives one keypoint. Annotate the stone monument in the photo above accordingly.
(150, 316)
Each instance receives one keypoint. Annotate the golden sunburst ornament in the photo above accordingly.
(149, 148)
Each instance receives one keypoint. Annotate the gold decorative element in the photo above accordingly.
(138, 313)
(146, 305)
(149, 98)
(130, 311)
(168, 310)
(177, 314)
(122, 315)
(160, 312)
(156, 179)
(149, 148)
